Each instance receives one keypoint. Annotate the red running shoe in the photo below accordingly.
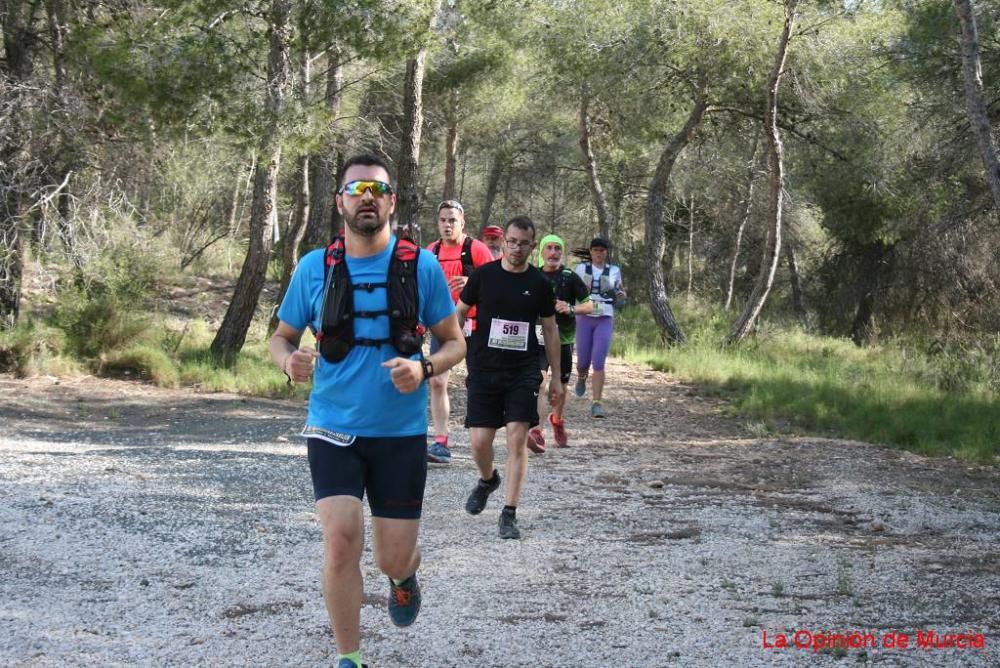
(536, 440)
(559, 431)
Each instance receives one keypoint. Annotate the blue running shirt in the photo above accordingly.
(356, 396)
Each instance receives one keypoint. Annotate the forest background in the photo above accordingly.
(803, 195)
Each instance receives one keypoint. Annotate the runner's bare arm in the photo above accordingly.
(407, 374)
(448, 332)
(582, 308)
(550, 332)
(461, 310)
(297, 363)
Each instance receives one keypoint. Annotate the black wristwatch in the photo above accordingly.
(428, 367)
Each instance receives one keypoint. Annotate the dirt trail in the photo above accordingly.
(151, 527)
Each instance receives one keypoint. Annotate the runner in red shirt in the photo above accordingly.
(493, 237)
(458, 254)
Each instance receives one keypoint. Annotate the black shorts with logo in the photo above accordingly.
(565, 361)
(498, 397)
(391, 470)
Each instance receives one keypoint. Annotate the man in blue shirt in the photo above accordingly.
(367, 421)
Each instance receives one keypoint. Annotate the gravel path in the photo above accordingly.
(147, 527)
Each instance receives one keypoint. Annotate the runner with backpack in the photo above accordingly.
(594, 330)
(459, 255)
(364, 297)
(572, 299)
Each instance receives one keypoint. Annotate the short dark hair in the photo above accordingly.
(366, 160)
(522, 223)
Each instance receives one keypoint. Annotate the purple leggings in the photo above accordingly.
(593, 339)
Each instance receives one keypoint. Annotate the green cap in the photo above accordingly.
(546, 240)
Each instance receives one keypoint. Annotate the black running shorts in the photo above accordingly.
(496, 398)
(565, 361)
(391, 470)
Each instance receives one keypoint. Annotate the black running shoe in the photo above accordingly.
(481, 493)
(508, 526)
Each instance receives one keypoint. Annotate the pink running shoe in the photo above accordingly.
(536, 440)
(559, 431)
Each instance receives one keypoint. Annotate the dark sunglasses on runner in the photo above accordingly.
(358, 188)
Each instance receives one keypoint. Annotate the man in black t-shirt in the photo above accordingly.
(510, 296)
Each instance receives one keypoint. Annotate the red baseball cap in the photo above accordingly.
(493, 231)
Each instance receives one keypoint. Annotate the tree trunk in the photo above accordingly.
(409, 158)
(493, 177)
(672, 232)
(233, 206)
(772, 245)
(300, 214)
(451, 151)
(690, 249)
(322, 223)
(408, 209)
(744, 218)
(605, 218)
(293, 240)
(64, 161)
(19, 39)
(465, 164)
(234, 230)
(664, 316)
(508, 177)
(975, 102)
(263, 215)
(793, 273)
(16, 65)
(617, 202)
(554, 202)
(876, 263)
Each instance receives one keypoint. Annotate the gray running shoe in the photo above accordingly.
(438, 453)
(581, 386)
(597, 411)
(404, 601)
(481, 493)
(508, 526)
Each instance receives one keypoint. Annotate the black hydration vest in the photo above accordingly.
(336, 336)
(562, 290)
(467, 266)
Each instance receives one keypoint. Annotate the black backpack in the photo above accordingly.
(467, 266)
(336, 336)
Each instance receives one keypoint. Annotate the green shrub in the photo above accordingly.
(141, 361)
(33, 348)
(98, 323)
(940, 399)
(252, 372)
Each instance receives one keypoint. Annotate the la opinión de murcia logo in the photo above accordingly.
(818, 641)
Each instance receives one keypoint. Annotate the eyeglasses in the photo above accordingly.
(358, 188)
(451, 204)
(514, 244)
